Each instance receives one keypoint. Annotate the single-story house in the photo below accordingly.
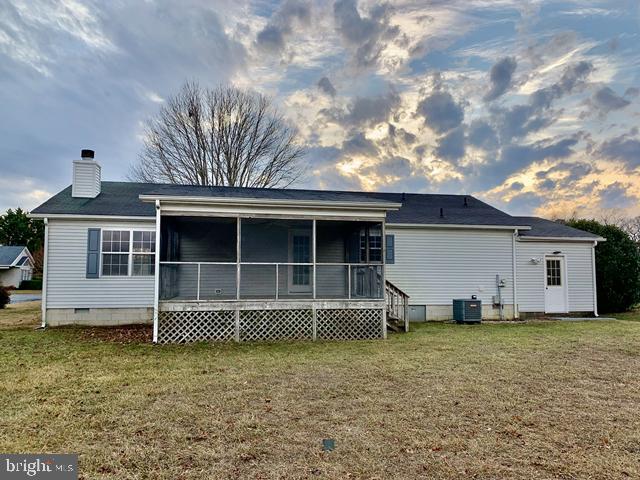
(225, 263)
(16, 265)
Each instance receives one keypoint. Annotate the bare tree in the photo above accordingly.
(222, 136)
(631, 226)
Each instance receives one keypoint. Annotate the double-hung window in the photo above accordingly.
(126, 252)
(115, 253)
(371, 245)
(144, 252)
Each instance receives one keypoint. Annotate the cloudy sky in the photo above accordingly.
(532, 106)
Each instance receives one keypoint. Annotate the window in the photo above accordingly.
(121, 248)
(115, 253)
(144, 248)
(375, 245)
(26, 274)
(554, 274)
(374, 237)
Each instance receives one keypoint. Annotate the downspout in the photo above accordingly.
(45, 261)
(156, 287)
(593, 272)
(516, 312)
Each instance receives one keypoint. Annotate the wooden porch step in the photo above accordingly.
(397, 305)
(394, 327)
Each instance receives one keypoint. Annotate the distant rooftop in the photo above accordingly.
(8, 254)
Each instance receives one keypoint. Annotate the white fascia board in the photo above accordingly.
(282, 211)
(561, 239)
(69, 216)
(458, 226)
(272, 202)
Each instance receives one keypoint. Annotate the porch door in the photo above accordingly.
(300, 252)
(555, 293)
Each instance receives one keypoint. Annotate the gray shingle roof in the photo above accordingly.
(122, 199)
(116, 198)
(541, 227)
(8, 254)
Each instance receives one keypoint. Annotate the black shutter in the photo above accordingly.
(93, 253)
(390, 245)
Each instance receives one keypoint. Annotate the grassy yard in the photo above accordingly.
(529, 400)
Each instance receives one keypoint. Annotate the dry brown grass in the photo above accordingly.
(26, 314)
(535, 400)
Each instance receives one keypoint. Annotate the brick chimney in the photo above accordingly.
(86, 176)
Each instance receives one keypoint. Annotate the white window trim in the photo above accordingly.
(130, 253)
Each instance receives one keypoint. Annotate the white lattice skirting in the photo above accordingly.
(270, 325)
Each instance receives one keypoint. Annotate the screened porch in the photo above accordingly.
(218, 259)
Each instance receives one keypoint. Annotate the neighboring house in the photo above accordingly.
(16, 265)
(252, 264)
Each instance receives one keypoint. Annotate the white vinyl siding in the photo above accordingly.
(11, 277)
(436, 265)
(86, 179)
(67, 285)
(531, 280)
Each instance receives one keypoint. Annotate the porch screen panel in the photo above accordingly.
(332, 281)
(178, 282)
(366, 282)
(218, 282)
(257, 282)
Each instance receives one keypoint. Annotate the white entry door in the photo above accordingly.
(555, 278)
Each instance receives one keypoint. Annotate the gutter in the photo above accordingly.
(458, 225)
(45, 262)
(72, 216)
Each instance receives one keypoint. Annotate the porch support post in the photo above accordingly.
(313, 249)
(314, 320)
(384, 323)
(236, 335)
(238, 247)
(384, 256)
(384, 281)
(156, 287)
(198, 286)
(514, 263)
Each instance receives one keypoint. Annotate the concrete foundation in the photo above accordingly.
(445, 312)
(99, 317)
